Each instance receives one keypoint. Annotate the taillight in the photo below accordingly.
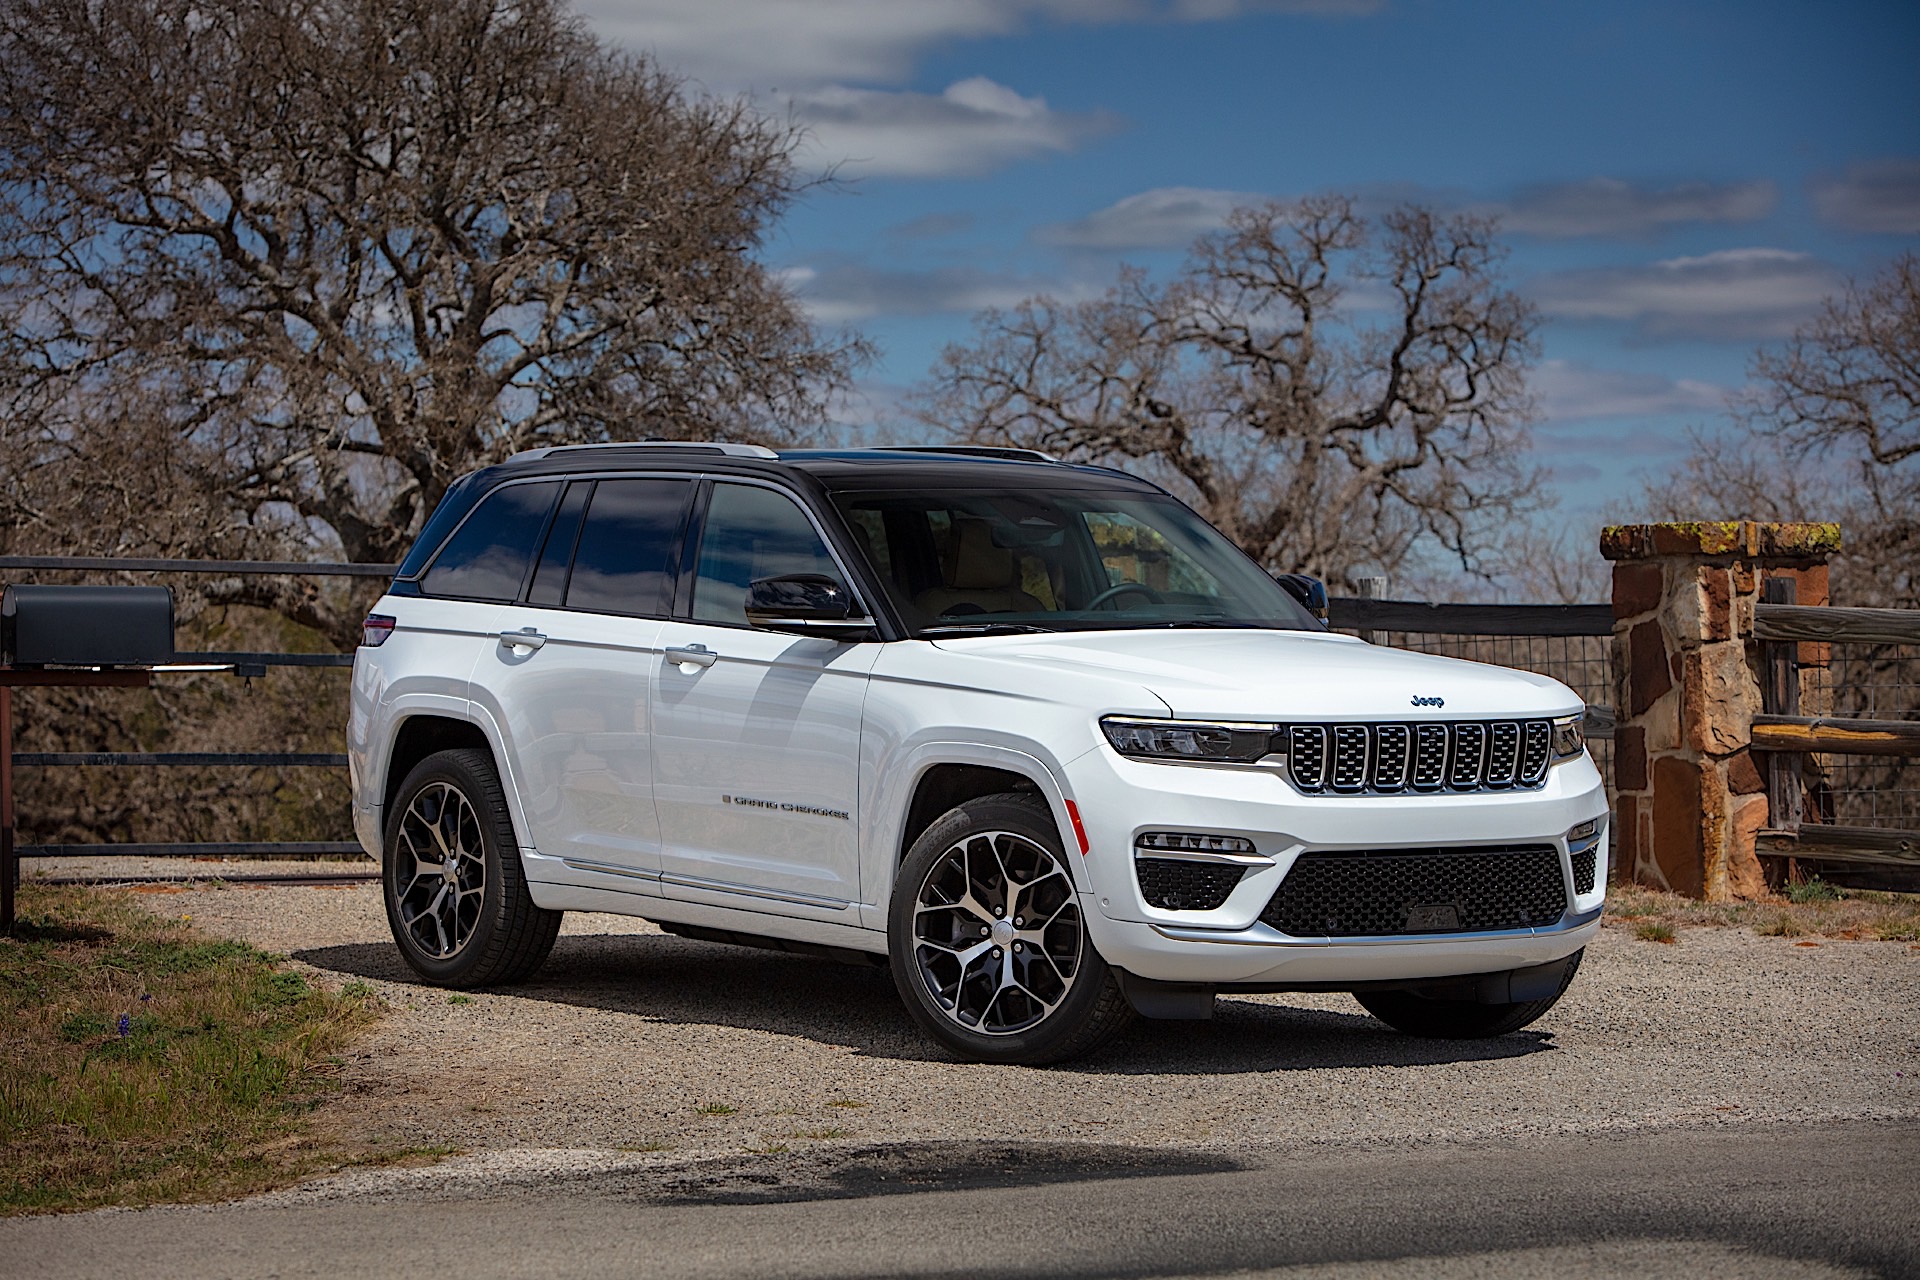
(375, 630)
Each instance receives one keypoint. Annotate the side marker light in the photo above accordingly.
(1079, 831)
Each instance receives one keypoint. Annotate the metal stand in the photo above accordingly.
(24, 677)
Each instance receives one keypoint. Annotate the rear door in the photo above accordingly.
(568, 675)
(757, 733)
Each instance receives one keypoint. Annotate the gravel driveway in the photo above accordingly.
(633, 1041)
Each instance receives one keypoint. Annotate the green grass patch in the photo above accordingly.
(716, 1109)
(141, 1061)
(1653, 931)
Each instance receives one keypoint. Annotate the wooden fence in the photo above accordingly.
(1883, 856)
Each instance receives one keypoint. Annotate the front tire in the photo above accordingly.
(987, 943)
(457, 898)
(1433, 1019)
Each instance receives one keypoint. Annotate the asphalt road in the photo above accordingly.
(1739, 1200)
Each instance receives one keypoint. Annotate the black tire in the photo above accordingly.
(1006, 847)
(490, 932)
(1418, 1015)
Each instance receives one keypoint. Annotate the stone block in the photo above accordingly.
(1647, 674)
(1637, 589)
(1743, 772)
(1796, 539)
(1719, 699)
(1677, 849)
(1746, 877)
(1630, 758)
(1716, 588)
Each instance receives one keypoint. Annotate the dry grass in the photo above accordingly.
(141, 1061)
(1816, 910)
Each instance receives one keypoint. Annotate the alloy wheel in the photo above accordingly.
(997, 933)
(440, 897)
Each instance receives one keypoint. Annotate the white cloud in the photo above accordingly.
(974, 126)
(1161, 218)
(797, 44)
(842, 291)
(1611, 207)
(1735, 294)
(1882, 197)
(1572, 392)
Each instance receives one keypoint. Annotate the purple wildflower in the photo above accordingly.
(124, 1026)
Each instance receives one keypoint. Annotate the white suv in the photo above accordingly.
(1034, 732)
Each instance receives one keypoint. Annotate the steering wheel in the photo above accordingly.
(1119, 589)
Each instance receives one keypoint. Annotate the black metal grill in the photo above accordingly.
(1586, 866)
(1411, 891)
(1390, 759)
(1176, 884)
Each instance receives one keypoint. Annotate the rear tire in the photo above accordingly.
(987, 943)
(1419, 1015)
(457, 898)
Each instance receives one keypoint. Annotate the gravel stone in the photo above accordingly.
(633, 1047)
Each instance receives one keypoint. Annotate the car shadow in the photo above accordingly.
(682, 980)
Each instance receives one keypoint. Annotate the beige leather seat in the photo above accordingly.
(983, 578)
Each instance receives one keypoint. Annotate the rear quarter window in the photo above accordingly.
(488, 556)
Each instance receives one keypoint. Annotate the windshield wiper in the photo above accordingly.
(985, 629)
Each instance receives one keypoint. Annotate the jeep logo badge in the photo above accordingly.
(1429, 702)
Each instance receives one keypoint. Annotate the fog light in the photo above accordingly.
(1190, 842)
(1584, 830)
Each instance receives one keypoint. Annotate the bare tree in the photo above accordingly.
(1832, 424)
(1336, 396)
(273, 273)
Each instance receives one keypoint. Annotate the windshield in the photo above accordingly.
(958, 562)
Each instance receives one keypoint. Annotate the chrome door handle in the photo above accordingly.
(692, 655)
(525, 638)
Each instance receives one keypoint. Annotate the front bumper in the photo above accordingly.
(1119, 799)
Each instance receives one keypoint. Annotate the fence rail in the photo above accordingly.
(242, 568)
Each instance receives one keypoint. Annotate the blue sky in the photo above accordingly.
(1678, 182)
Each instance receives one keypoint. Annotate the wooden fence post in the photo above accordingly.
(1371, 589)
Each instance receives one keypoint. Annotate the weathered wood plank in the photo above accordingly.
(1359, 614)
(1844, 737)
(1831, 625)
(1843, 844)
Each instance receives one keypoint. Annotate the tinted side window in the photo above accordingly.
(752, 533)
(550, 577)
(487, 559)
(627, 546)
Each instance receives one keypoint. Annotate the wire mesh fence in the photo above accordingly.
(1869, 682)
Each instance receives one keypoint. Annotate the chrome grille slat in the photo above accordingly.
(1392, 748)
(1307, 756)
(1350, 756)
(1469, 753)
(1399, 759)
(1503, 753)
(1538, 737)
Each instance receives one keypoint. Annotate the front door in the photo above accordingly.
(757, 733)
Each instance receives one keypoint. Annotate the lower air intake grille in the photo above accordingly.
(1409, 891)
(1586, 865)
(1175, 884)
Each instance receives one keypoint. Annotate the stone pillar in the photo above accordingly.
(1689, 796)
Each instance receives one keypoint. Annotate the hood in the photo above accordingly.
(1283, 675)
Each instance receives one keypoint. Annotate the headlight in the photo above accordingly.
(1189, 740)
(1569, 737)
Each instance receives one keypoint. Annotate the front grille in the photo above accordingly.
(1586, 865)
(1411, 891)
(1394, 759)
(1175, 884)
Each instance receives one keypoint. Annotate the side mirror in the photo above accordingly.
(1309, 591)
(806, 604)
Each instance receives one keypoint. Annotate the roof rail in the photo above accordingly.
(976, 451)
(728, 448)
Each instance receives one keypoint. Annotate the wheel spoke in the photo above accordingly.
(441, 901)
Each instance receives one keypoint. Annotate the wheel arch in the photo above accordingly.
(940, 775)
